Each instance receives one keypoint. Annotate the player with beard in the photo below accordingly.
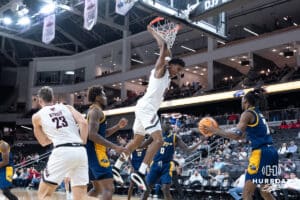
(100, 170)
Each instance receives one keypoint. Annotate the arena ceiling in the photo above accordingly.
(19, 45)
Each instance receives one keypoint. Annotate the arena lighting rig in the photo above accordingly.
(281, 87)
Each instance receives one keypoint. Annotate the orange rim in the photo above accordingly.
(157, 19)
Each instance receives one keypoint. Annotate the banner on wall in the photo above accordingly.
(123, 6)
(90, 14)
(49, 29)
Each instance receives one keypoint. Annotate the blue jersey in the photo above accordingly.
(258, 133)
(137, 158)
(166, 152)
(6, 172)
(97, 153)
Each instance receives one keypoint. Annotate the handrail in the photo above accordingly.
(31, 161)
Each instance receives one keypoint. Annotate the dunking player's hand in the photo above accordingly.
(160, 42)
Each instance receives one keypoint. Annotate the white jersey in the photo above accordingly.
(59, 125)
(155, 92)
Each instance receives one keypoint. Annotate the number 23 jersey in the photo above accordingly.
(59, 125)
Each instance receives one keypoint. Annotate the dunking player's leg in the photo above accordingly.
(151, 151)
(131, 146)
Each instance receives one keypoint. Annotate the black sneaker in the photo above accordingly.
(139, 179)
(117, 176)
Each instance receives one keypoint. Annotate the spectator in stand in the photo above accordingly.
(16, 178)
(36, 157)
(292, 149)
(195, 179)
(292, 186)
(232, 118)
(242, 155)
(36, 178)
(226, 144)
(289, 166)
(180, 159)
(24, 176)
(122, 141)
(298, 123)
(238, 187)
(292, 125)
(218, 165)
(283, 149)
(283, 125)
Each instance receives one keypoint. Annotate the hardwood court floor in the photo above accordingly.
(24, 194)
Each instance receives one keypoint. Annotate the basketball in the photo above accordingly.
(207, 121)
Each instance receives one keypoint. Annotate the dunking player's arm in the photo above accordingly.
(160, 65)
(38, 131)
(82, 123)
(184, 147)
(4, 149)
(94, 116)
(237, 133)
(121, 124)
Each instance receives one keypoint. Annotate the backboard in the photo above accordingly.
(186, 12)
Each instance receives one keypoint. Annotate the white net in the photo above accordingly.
(166, 29)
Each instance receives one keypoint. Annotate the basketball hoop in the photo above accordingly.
(166, 29)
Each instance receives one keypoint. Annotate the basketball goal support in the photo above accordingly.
(217, 31)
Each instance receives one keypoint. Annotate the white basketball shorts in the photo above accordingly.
(146, 122)
(67, 161)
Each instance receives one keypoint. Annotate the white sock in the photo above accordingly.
(143, 168)
(118, 164)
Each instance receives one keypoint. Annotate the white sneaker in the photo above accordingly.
(139, 180)
(117, 176)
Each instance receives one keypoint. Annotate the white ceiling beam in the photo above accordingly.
(35, 43)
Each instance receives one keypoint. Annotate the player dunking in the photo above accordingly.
(146, 118)
(57, 124)
(162, 166)
(6, 170)
(100, 170)
(263, 156)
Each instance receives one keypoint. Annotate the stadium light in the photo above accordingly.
(69, 72)
(187, 48)
(251, 32)
(24, 21)
(7, 20)
(48, 8)
(138, 61)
